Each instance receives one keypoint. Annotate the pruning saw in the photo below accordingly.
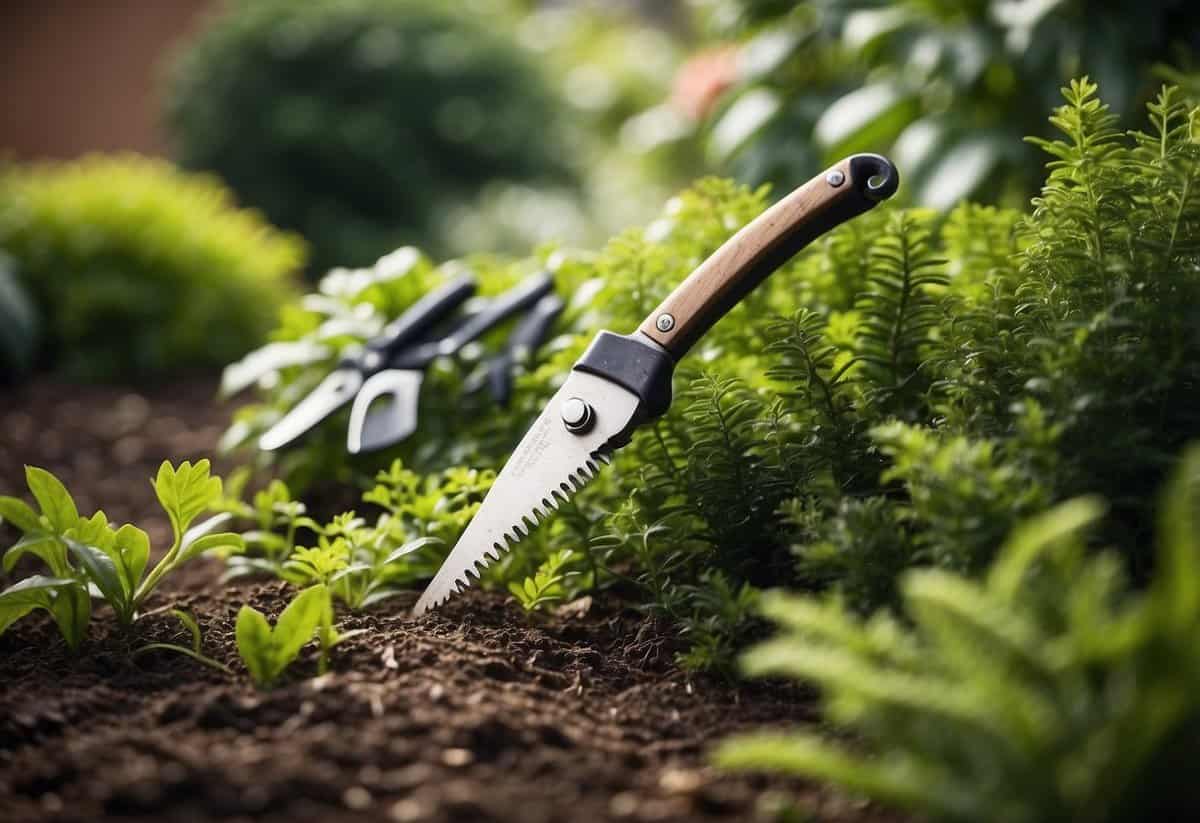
(624, 381)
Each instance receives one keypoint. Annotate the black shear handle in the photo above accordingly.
(422, 316)
(517, 299)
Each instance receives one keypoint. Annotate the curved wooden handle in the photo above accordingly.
(838, 194)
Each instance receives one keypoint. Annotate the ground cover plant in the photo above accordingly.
(137, 270)
(928, 382)
(1047, 691)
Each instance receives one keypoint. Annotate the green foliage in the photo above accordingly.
(376, 121)
(109, 561)
(360, 564)
(902, 393)
(267, 651)
(950, 87)
(137, 270)
(545, 587)
(1047, 691)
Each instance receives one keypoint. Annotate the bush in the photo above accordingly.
(364, 124)
(138, 270)
(1048, 691)
(926, 383)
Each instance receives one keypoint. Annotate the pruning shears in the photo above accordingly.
(623, 381)
(383, 378)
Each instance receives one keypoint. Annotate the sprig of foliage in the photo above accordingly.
(267, 651)
(1047, 691)
(545, 587)
(192, 650)
(111, 560)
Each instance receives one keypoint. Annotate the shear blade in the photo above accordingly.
(548, 466)
(385, 410)
(330, 395)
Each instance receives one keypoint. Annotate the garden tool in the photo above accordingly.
(385, 408)
(340, 386)
(623, 381)
(497, 371)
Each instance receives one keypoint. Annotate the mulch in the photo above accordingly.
(472, 713)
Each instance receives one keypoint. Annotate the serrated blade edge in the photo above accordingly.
(548, 466)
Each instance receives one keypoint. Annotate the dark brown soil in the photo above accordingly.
(472, 713)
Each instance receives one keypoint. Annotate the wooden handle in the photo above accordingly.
(838, 194)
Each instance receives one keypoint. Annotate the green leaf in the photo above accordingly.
(253, 635)
(131, 551)
(1031, 538)
(299, 620)
(53, 497)
(185, 492)
(221, 540)
(191, 625)
(410, 547)
(65, 599)
(17, 512)
(46, 546)
(102, 571)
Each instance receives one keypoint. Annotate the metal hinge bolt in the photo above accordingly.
(835, 178)
(577, 415)
(664, 322)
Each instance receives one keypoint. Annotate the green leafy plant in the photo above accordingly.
(138, 270)
(267, 651)
(1046, 691)
(442, 105)
(545, 587)
(111, 561)
(901, 394)
(950, 87)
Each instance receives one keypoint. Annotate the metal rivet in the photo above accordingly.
(577, 415)
(665, 322)
(835, 178)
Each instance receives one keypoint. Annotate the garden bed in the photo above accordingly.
(471, 713)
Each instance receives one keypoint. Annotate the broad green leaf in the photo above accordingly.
(866, 117)
(17, 512)
(742, 120)
(185, 492)
(131, 551)
(1179, 580)
(102, 571)
(410, 547)
(65, 599)
(298, 622)
(253, 635)
(204, 527)
(93, 531)
(46, 546)
(53, 497)
(958, 171)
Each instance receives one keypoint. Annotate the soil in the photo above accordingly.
(472, 713)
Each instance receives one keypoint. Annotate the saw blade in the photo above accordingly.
(548, 466)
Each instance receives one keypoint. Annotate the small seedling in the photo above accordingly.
(111, 560)
(267, 651)
(545, 587)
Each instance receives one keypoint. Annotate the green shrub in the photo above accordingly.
(138, 270)
(363, 125)
(903, 393)
(1048, 691)
(950, 87)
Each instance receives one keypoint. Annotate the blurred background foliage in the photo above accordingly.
(135, 269)
(948, 87)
